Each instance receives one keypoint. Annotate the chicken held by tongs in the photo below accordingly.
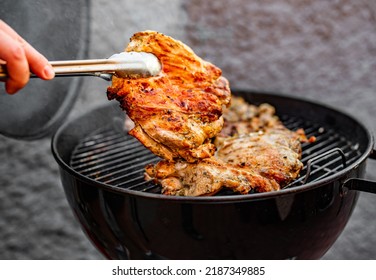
(177, 112)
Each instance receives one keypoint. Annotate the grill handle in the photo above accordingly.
(372, 155)
(357, 184)
(363, 185)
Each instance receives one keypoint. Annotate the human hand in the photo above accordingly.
(21, 59)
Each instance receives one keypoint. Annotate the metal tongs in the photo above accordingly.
(124, 65)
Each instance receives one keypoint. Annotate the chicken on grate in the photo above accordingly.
(258, 161)
(255, 153)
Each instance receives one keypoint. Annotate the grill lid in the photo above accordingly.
(59, 30)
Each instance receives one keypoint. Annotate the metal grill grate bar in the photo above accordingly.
(102, 139)
(117, 166)
(97, 150)
(110, 158)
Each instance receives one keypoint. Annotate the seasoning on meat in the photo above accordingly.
(259, 161)
(243, 118)
(177, 112)
(255, 153)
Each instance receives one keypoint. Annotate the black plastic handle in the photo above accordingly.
(360, 185)
(372, 155)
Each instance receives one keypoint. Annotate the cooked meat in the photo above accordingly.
(259, 161)
(177, 112)
(242, 118)
(206, 177)
(274, 154)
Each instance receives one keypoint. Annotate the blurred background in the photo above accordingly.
(318, 49)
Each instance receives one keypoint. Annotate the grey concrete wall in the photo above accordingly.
(322, 50)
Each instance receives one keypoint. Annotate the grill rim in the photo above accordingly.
(221, 199)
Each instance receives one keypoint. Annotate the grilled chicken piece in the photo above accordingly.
(177, 112)
(274, 154)
(206, 177)
(259, 161)
(243, 118)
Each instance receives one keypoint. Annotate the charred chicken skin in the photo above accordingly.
(177, 112)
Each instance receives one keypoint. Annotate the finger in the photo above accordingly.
(38, 64)
(7, 29)
(17, 66)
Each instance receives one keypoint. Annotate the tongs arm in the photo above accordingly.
(103, 68)
(126, 64)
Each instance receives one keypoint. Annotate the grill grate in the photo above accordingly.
(116, 158)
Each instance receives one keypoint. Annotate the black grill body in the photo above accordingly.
(127, 217)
